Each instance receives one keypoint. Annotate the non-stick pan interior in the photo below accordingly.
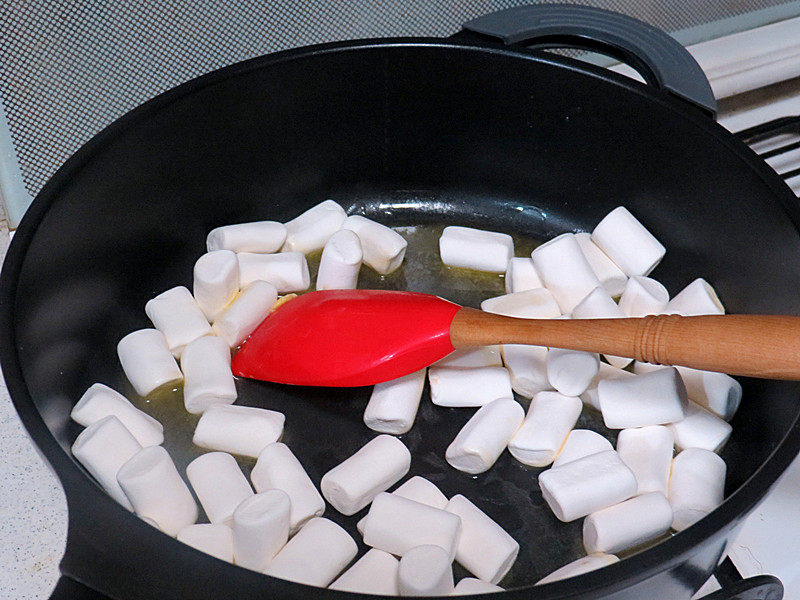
(410, 136)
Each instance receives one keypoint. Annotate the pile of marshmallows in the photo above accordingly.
(629, 496)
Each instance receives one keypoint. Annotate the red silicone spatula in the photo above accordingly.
(348, 338)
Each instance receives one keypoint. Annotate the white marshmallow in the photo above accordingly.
(647, 451)
(627, 524)
(425, 571)
(378, 465)
(340, 262)
(580, 443)
(102, 448)
(482, 356)
(219, 485)
(469, 586)
(396, 524)
(628, 243)
(599, 304)
(393, 405)
(216, 540)
(606, 371)
(383, 248)
(697, 298)
(551, 416)
(610, 275)
(374, 573)
(696, 486)
(527, 368)
(311, 230)
(258, 236)
(315, 555)
(156, 490)
(579, 567)
(586, 485)
(100, 401)
(571, 371)
(216, 282)
(278, 468)
(530, 304)
(245, 313)
(207, 377)
(643, 296)
(484, 437)
(564, 270)
(521, 275)
(242, 430)
(176, 314)
(147, 361)
(260, 527)
(700, 429)
(417, 489)
(485, 549)
(476, 249)
(456, 386)
(287, 271)
(653, 398)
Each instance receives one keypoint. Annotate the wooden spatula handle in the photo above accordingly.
(751, 345)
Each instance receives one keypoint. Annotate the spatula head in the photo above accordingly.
(347, 338)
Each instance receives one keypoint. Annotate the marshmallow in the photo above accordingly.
(147, 361)
(697, 298)
(606, 371)
(551, 416)
(311, 230)
(469, 586)
(378, 465)
(456, 386)
(527, 368)
(374, 573)
(599, 304)
(530, 304)
(287, 271)
(219, 484)
(643, 296)
(216, 540)
(647, 451)
(700, 429)
(627, 524)
(156, 490)
(396, 524)
(564, 270)
(260, 527)
(579, 567)
(484, 437)
(580, 443)
(425, 571)
(340, 262)
(315, 555)
(393, 405)
(245, 313)
(485, 549)
(571, 371)
(482, 356)
(242, 430)
(100, 401)
(176, 314)
(586, 485)
(696, 486)
(207, 377)
(521, 275)
(277, 468)
(610, 275)
(476, 249)
(216, 282)
(628, 243)
(417, 489)
(258, 236)
(653, 398)
(102, 448)
(383, 248)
